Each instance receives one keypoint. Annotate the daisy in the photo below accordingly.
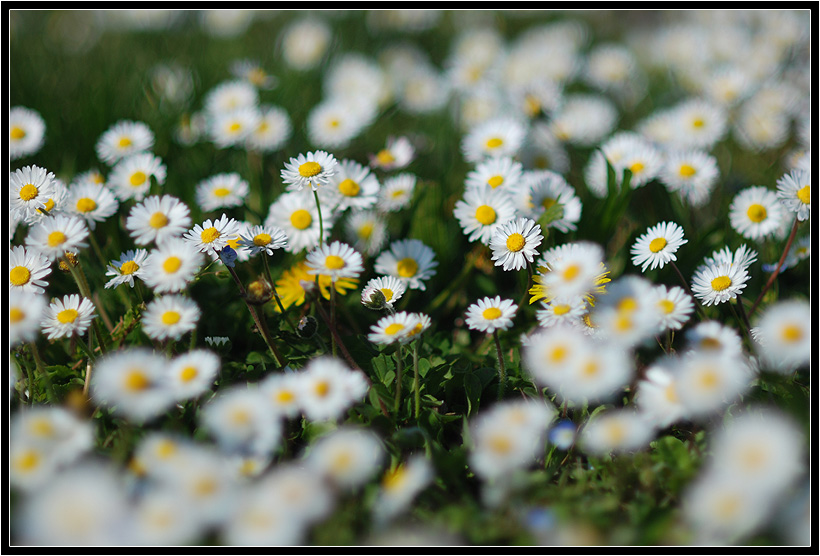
(282, 391)
(29, 190)
(718, 283)
(657, 246)
(367, 231)
(490, 314)
(333, 123)
(794, 193)
(297, 215)
(707, 383)
(314, 169)
(30, 465)
(392, 328)
(425, 90)
(233, 128)
(397, 192)
(69, 316)
(92, 203)
(253, 72)
(656, 397)
(63, 434)
(616, 430)
(353, 185)
(597, 373)
(123, 139)
(157, 219)
(540, 191)
(267, 239)
(550, 352)
(692, 174)
(221, 191)
(305, 41)
(337, 260)
(391, 288)
(625, 314)
(644, 162)
(756, 213)
(191, 374)
(27, 268)
(170, 316)
(584, 120)
(171, 266)
(409, 260)
(212, 236)
(92, 176)
(25, 313)
(699, 124)
(501, 172)
(55, 236)
(131, 177)
(129, 266)
(400, 486)
(569, 270)
(397, 154)
(499, 137)
(161, 517)
(55, 203)
(260, 520)
(784, 334)
(272, 132)
(27, 131)
(230, 96)
(328, 388)
(348, 457)
(514, 244)
(242, 420)
(715, 338)
(674, 306)
(560, 311)
(483, 211)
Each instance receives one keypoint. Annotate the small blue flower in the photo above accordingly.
(227, 256)
(562, 435)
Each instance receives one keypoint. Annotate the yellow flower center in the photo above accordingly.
(670, 393)
(16, 315)
(136, 381)
(166, 449)
(394, 328)
(666, 306)
(56, 238)
(301, 219)
(590, 369)
(261, 239)
(394, 479)
(205, 487)
(334, 123)
(698, 123)
(397, 193)
(407, 267)
(334, 262)
(49, 205)
(792, 333)
(500, 444)
(138, 178)
(623, 323)
(485, 215)
(728, 506)
(257, 76)
(188, 374)
(170, 317)
(322, 388)
(42, 427)
(158, 220)
(222, 192)
(548, 202)
(240, 417)
(627, 304)
(616, 432)
(342, 462)
(708, 379)
(558, 354)
(209, 235)
(491, 313)
(349, 188)
(686, 170)
(19, 275)
(310, 169)
(86, 205)
(561, 309)
(234, 127)
(67, 315)
(531, 105)
(129, 267)
(495, 181)
(756, 213)
(366, 231)
(710, 343)
(388, 294)
(753, 458)
(171, 264)
(571, 272)
(28, 460)
(516, 242)
(125, 142)
(657, 244)
(494, 142)
(721, 283)
(28, 192)
(804, 194)
(285, 396)
(385, 157)
(636, 168)
(17, 133)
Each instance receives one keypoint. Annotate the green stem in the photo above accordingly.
(688, 289)
(399, 370)
(275, 293)
(416, 384)
(502, 372)
(333, 317)
(82, 284)
(321, 222)
(85, 348)
(772, 278)
(96, 247)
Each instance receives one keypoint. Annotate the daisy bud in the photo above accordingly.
(307, 327)
(259, 292)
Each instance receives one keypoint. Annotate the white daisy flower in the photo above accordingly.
(283, 393)
(348, 457)
(260, 520)
(27, 131)
(718, 283)
(229, 129)
(499, 137)
(367, 231)
(657, 246)
(644, 161)
(305, 41)
(409, 260)
(625, 314)
(157, 219)
(55, 204)
(212, 236)
(425, 90)
(391, 287)
(400, 485)
(540, 190)
(161, 517)
(561, 311)
(572, 269)
(692, 174)
(656, 397)
(192, 374)
(397, 154)
(296, 214)
(674, 306)
(131, 177)
(333, 123)
(253, 72)
(328, 388)
(490, 314)
(314, 169)
(27, 268)
(784, 334)
(707, 383)
(272, 132)
(92, 176)
(170, 316)
(501, 172)
(92, 203)
(699, 124)
(230, 96)
(794, 193)
(171, 266)
(267, 239)
(515, 243)
(483, 211)
(337, 260)
(221, 191)
(54, 236)
(397, 192)
(123, 139)
(29, 190)
(597, 373)
(25, 313)
(126, 268)
(584, 120)
(393, 328)
(53, 433)
(756, 213)
(242, 421)
(353, 185)
(549, 354)
(69, 316)
(715, 338)
(616, 430)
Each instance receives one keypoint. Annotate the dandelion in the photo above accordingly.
(27, 131)
(221, 191)
(794, 193)
(514, 244)
(27, 270)
(123, 139)
(397, 154)
(157, 218)
(212, 236)
(30, 189)
(171, 266)
(169, 317)
(295, 284)
(483, 211)
(756, 213)
(314, 169)
(409, 260)
(126, 268)
(131, 177)
(657, 246)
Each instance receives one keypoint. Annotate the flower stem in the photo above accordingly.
(82, 284)
(772, 278)
(416, 383)
(399, 370)
(687, 288)
(339, 342)
(275, 293)
(502, 372)
(321, 222)
(333, 317)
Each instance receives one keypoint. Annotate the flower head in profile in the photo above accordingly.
(27, 131)
(398, 153)
(794, 193)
